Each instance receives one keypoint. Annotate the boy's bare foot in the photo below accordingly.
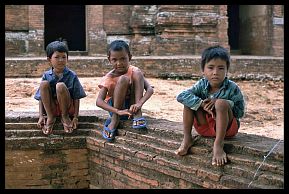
(219, 156)
(184, 148)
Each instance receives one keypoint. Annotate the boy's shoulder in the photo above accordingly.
(69, 71)
(48, 72)
(134, 68)
(231, 82)
(202, 81)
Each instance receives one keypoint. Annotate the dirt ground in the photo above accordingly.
(264, 101)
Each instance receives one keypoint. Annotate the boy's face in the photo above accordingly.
(119, 60)
(58, 60)
(215, 72)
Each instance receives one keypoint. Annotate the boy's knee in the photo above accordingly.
(137, 75)
(60, 87)
(44, 84)
(222, 104)
(123, 80)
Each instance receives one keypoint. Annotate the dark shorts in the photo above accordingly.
(126, 106)
(209, 128)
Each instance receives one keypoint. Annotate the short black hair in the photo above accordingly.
(118, 45)
(58, 45)
(215, 52)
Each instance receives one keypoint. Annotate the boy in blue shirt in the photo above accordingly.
(59, 91)
(213, 105)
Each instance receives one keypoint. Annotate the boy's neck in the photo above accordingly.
(58, 73)
(213, 90)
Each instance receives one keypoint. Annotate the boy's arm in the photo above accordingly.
(231, 103)
(149, 92)
(238, 103)
(102, 104)
(190, 97)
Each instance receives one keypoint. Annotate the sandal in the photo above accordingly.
(112, 132)
(48, 127)
(68, 128)
(139, 123)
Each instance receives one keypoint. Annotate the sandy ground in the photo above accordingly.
(264, 101)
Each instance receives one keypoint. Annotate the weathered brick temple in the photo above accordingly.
(166, 41)
(157, 30)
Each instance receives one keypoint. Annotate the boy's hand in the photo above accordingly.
(124, 112)
(134, 108)
(209, 105)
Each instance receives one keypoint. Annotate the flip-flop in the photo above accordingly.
(139, 123)
(48, 127)
(111, 131)
(67, 128)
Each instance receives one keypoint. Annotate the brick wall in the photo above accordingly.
(54, 169)
(161, 30)
(96, 34)
(242, 67)
(16, 32)
(17, 13)
(116, 19)
(278, 31)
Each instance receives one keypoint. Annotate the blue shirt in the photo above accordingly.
(229, 90)
(69, 78)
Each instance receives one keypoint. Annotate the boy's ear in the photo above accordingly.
(48, 59)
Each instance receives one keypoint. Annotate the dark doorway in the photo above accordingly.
(234, 27)
(67, 22)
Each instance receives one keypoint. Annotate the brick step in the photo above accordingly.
(154, 135)
(242, 143)
(143, 137)
(173, 166)
(38, 133)
(235, 182)
(202, 145)
(254, 162)
(155, 148)
(203, 154)
(165, 130)
(262, 177)
(57, 126)
(49, 142)
(199, 154)
(147, 161)
(33, 118)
